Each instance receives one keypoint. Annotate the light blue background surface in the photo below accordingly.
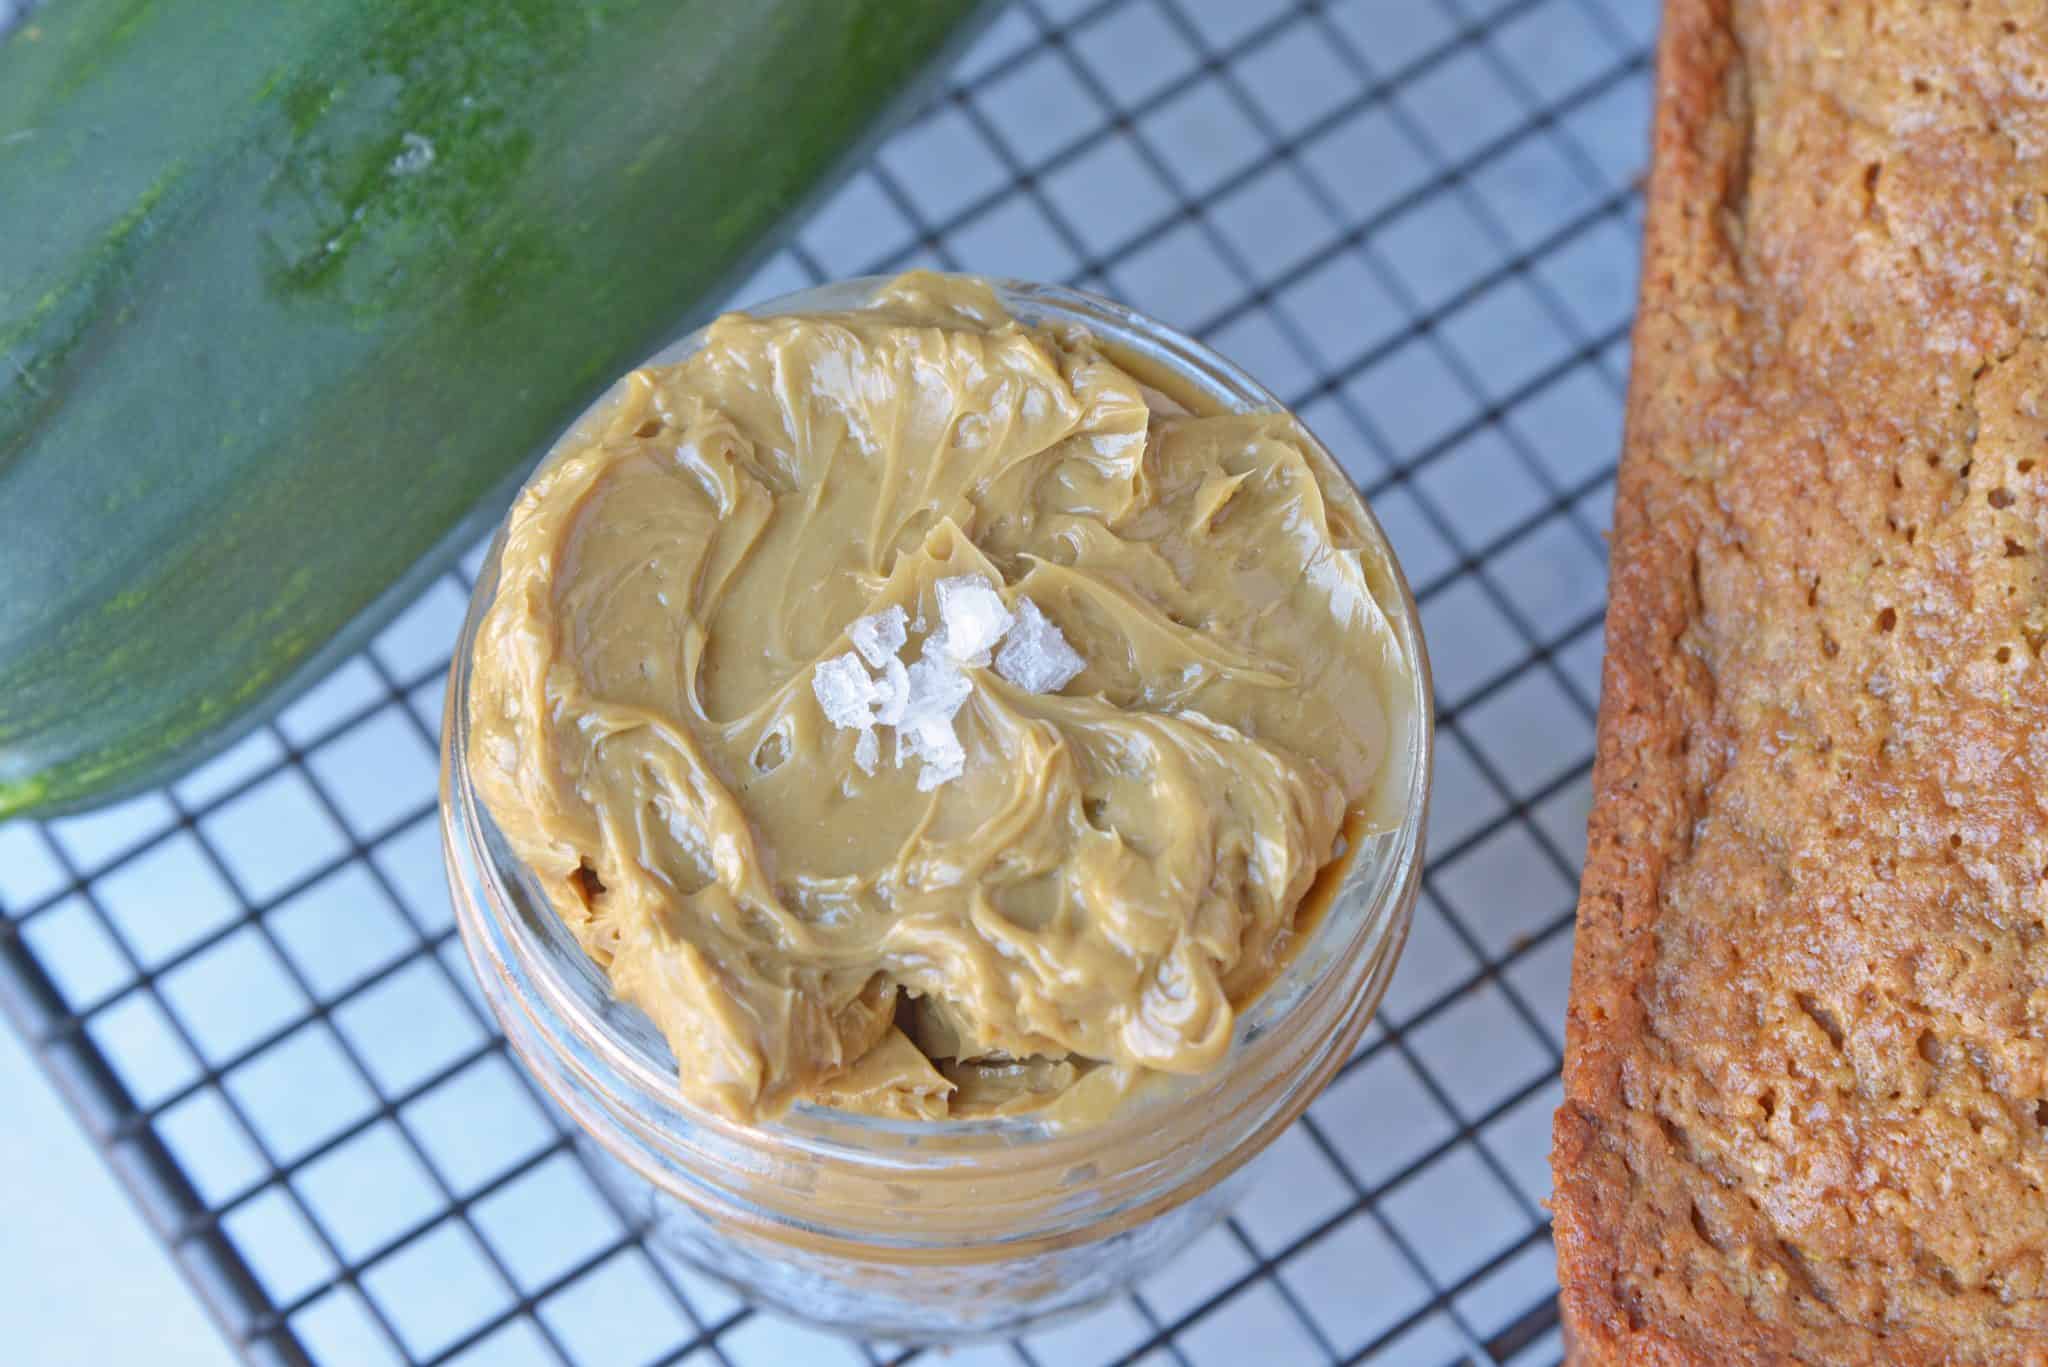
(82, 1280)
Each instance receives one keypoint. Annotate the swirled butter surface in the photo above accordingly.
(1117, 867)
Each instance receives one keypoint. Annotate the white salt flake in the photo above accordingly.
(934, 741)
(932, 775)
(936, 690)
(867, 751)
(894, 687)
(972, 618)
(1035, 656)
(846, 692)
(880, 636)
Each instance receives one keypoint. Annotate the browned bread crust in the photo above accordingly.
(1806, 1113)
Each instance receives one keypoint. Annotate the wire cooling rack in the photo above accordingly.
(1416, 220)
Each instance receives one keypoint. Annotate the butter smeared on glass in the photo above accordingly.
(1121, 864)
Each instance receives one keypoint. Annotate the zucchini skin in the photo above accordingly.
(287, 289)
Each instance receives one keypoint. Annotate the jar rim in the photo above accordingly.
(1364, 924)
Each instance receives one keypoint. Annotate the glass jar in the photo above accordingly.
(918, 1231)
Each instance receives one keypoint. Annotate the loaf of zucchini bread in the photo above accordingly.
(1806, 1114)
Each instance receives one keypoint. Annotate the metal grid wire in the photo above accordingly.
(1416, 220)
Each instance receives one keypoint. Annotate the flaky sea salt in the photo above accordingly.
(919, 701)
(972, 618)
(936, 690)
(933, 740)
(846, 692)
(894, 686)
(880, 636)
(1035, 656)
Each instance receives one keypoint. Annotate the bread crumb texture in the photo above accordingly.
(1807, 1076)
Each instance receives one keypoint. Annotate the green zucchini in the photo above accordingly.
(288, 288)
